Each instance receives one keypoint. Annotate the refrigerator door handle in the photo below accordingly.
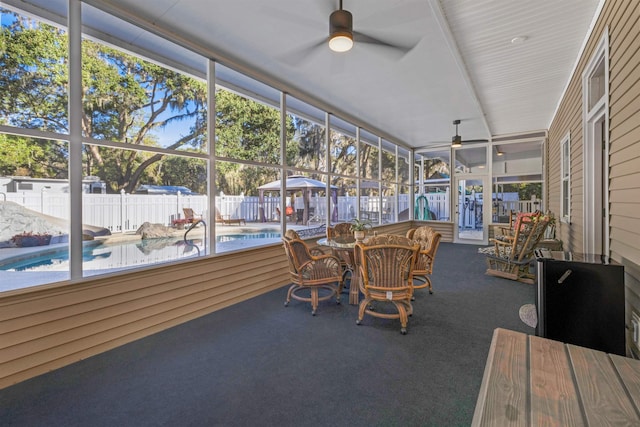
(564, 277)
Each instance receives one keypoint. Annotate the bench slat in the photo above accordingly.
(554, 399)
(604, 398)
(503, 395)
(629, 371)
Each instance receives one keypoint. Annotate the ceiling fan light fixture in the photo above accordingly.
(456, 141)
(341, 42)
(340, 30)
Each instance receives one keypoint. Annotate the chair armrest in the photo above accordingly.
(506, 230)
(317, 252)
(502, 247)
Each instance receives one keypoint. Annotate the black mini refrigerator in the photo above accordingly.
(580, 300)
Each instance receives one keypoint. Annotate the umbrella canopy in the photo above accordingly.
(296, 182)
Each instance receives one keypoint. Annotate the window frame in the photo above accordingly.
(211, 72)
(565, 179)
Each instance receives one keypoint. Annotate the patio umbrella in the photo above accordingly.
(296, 183)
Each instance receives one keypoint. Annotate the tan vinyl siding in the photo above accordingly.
(622, 18)
(444, 228)
(624, 159)
(52, 326)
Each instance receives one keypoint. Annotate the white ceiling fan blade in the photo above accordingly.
(302, 52)
(397, 50)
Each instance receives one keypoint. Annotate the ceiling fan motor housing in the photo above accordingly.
(341, 24)
(456, 140)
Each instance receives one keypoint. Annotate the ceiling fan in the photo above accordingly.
(456, 140)
(342, 37)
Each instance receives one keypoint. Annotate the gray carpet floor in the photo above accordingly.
(260, 364)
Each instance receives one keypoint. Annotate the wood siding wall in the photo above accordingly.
(622, 19)
(51, 326)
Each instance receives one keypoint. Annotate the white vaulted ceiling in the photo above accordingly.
(463, 66)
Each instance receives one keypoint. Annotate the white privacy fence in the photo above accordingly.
(116, 212)
(127, 212)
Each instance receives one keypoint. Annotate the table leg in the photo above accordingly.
(354, 288)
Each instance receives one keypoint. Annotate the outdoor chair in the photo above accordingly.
(190, 216)
(511, 258)
(507, 233)
(429, 240)
(311, 271)
(386, 264)
(288, 213)
(227, 220)
(342, 229)
(342, 233)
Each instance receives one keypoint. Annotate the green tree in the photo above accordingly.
(21, 156)
(247, 130)
(126, 99)
(310, 144)
(189, 172)
(343, 154)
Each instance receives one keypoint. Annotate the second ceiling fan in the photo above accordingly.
(456, 140)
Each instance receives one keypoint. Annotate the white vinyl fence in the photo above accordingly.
(127, 212)
(115, 212)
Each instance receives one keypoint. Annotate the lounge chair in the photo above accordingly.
(190, 217)
(227, 220)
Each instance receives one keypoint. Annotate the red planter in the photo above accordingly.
(35, 240)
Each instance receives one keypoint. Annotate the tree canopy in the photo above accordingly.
(131, 101)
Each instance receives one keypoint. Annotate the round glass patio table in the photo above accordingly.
(343, 247)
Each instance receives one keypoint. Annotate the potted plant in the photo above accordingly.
(28, 239)
(360, 227)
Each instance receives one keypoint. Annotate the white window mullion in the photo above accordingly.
(565, 179)
(75, 137)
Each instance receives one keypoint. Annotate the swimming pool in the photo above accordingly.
(96, 255)
(232, 237)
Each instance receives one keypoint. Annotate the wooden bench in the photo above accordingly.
(533, 381)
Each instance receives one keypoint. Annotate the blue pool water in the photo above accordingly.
(232, 237)
(99, 257)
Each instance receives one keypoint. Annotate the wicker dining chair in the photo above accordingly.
(310, 272)
(429, 240)
(339, 230)
(342, 233)
(386, 264)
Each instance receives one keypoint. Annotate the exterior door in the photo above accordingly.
(470, 209)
